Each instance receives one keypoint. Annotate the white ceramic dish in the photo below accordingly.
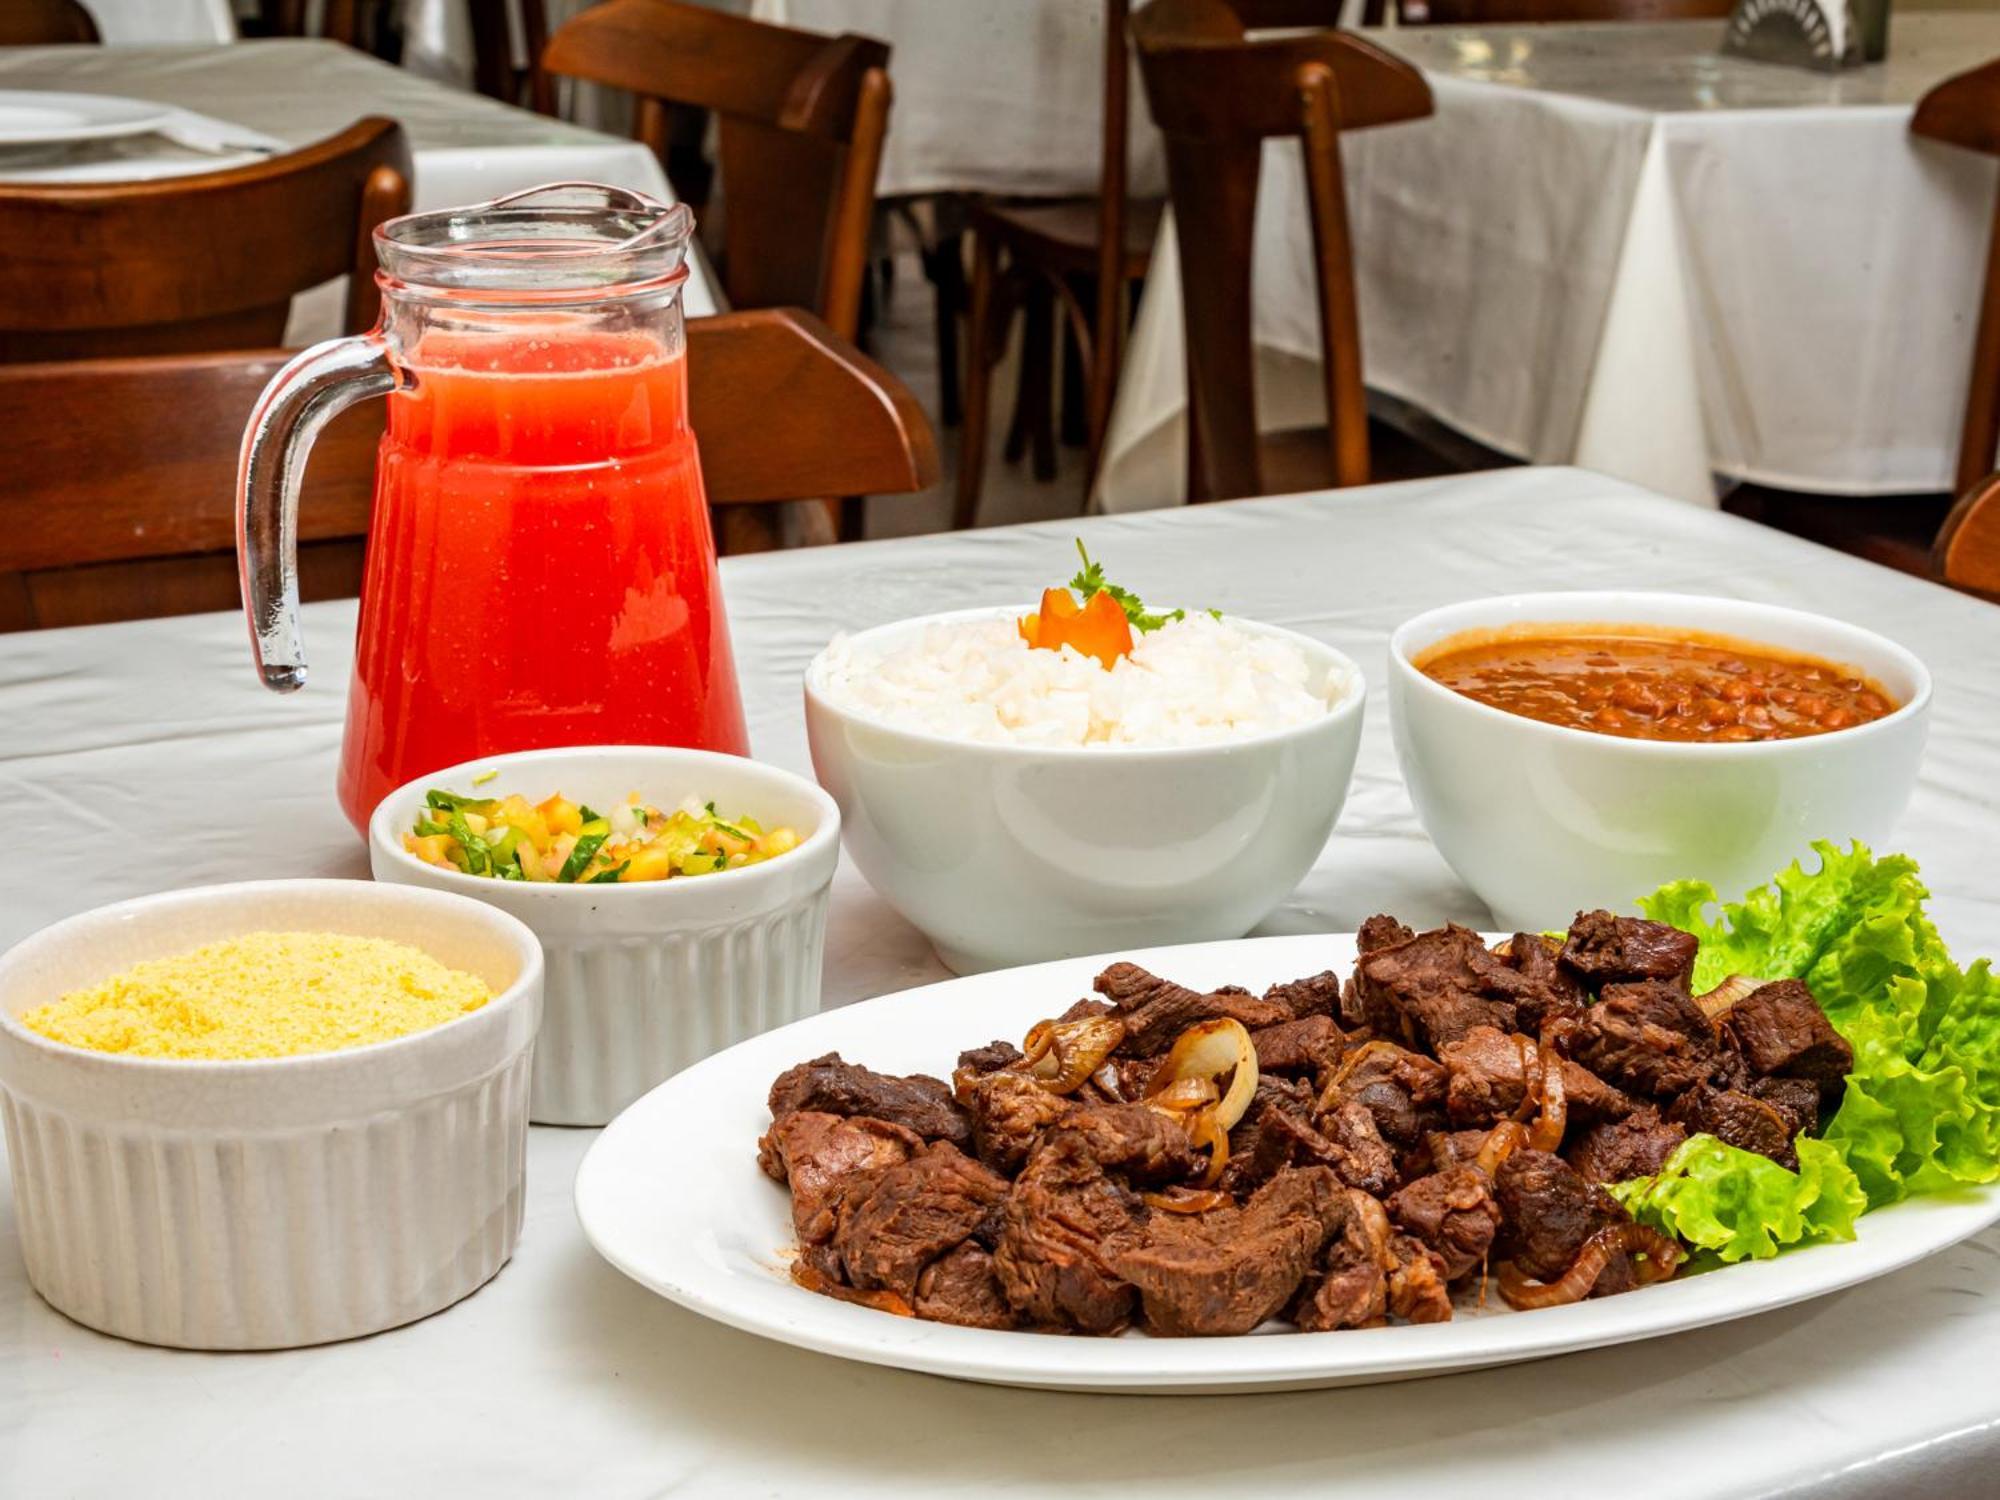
(34, 118)
(1009, 854)
(644, 979)
(1543, 821)
(710, 1231)
(268, 1203)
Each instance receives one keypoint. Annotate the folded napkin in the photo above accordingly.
(184, 144)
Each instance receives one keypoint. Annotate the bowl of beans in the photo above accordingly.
(1561, 746)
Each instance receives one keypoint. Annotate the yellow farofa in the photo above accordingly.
(266, 994)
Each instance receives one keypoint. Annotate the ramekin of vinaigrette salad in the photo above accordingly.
(571, 843)
(679, 895)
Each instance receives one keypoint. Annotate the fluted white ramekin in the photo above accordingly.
(270, 1202)
(646, 978)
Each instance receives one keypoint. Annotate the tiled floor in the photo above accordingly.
(905, 341)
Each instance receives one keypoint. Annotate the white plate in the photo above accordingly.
(28, 118)
(672, 1196)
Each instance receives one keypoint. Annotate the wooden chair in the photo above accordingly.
(1965, 111)
(209, 261)
(1217, 97)
(36, 23)
(1517, 12)
(802, 118)
(1967, 552)
(1044, 256)
(119, 499)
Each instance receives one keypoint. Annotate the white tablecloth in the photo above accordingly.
(138, 757)
(124, 21)
(465, 148)
(1612, 247)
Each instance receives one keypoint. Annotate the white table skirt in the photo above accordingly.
(1612, 248)
(563, 1378)
(465, 148)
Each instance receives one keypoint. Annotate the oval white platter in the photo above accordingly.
(34, 118)
(672, 1196)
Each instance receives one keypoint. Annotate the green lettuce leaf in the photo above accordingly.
(1738, 1205)
(1921, 1112)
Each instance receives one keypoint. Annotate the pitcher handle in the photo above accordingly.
(301, 399)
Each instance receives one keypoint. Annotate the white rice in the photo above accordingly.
(1196, 681)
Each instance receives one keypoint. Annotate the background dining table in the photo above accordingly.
(1613, 247)
(280, 94)
(144, 756)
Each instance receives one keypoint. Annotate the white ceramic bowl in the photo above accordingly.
(1010, 854)
(645, 978)
(1543, 821)
(272, 1202)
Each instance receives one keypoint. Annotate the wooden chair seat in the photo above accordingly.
(121, 473)
(1061, 235)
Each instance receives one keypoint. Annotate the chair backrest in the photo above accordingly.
(122, 463)
(802, 117)
(34, 23)
(1216, 98)
(209, 261)
(1965, 111)
(1967, 552)
(1515, 12)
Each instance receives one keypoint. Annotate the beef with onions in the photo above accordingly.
(1335, 1152)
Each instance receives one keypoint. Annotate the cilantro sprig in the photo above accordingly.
(1091, 580)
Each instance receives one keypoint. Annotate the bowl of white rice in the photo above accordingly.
(1019, 804)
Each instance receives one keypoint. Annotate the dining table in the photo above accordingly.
(142, 756)
(1616, 246)
(239, 102)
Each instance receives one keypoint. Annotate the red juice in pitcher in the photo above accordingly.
(540, 565)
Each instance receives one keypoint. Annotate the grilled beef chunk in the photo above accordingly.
(1298, 1046)
(1417, 1290)
(1779, 1028)
(1353, 1291)
(1605, 949)
(1279, 1131)
(1379, 932)
(1315, 995)
(1487, 1075)
(1550, 1211)
(1738, 1119)
(1549, 993)
(1008, 1111)
(960, 1287)
(1157, 1010)
(843, 1088)
(991, 1058)
(1085, 1008)
(1453, 1213)
(1403, 1090)
(1796, 1099)
(1615, 1150)
(1647, 1037)
(1226, 1271)
(1436, 987)
(910, 1214)
(821, 1156)
(1051, 1258)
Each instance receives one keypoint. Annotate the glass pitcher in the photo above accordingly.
(540, 569)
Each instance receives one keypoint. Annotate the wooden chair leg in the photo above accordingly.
(1075, 427)
(978, 383)
(1033, 428)
(851, 525)
(944, 264)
